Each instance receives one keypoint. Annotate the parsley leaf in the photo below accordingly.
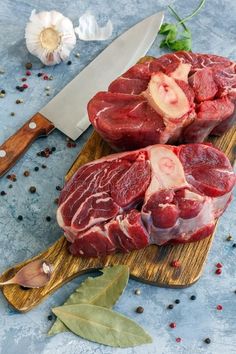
(174, 38)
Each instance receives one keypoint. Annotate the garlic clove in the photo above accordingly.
(50, 36)
(33, 275)
(89, 30)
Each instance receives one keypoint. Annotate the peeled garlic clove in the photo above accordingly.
(33, 275)
(50, 36)
(89, 30)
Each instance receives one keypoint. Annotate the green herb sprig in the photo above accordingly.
(175, 38)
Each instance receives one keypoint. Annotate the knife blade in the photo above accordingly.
(67, 110)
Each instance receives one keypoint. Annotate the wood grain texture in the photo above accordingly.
(150, 265)
(18, 143)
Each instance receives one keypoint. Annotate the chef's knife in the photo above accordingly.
(67, 110)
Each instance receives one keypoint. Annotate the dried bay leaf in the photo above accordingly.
(102, 325)
(103, 291)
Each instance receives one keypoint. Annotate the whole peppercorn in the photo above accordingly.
(219, 307)
(39, 74)
(36, 168)
(172, 325)
(50, 317)
(28, 73)
(3, 92)
(48, 218)
(20, 217)
(3, 193)
(28, 66)
(234, 245)
(170, 307)
(207, 340)
(193, 297)
(177, 301)
(219, 265)
(139, 309)
(218, 271)
(229, 238)
(32, 189)
(53, 149)
(137, 291)
(58, 188)
(26, 173)
(178, 340)
(175, 264)
(12, 114)
(69, 62)
(10, 186)
(44, 166)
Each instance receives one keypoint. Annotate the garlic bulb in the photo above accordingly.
(50, 36)
(89, 30)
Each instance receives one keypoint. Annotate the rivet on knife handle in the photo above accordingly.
(17, 144)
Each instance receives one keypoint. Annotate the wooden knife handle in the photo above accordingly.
(17, 144)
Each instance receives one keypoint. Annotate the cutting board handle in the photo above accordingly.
(17, 144)
(65, 267)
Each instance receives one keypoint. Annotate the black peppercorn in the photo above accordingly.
(207, 341)
(10, 186)
(20, 217)
(139, 309)
(177, 301)
(170, 307)
(58, 188)
(53, 149)
(3, 193)
(48, 218)
(28, 66)
(234, 245)
(40, 74)
(3, 92)
(32, 189)
(69, 62)
(193, 297)
(36, 168)
(50, 317)
(44, 166)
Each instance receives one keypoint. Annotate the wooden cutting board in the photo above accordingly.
(150, 265)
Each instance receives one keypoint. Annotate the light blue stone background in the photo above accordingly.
(214, 31)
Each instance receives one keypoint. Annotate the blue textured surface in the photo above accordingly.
(214, 31)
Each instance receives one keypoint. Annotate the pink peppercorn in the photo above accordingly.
(23, 79)
(218, 271)
(219, 307)
(219, 265)
(178, 340)
(175, 264)
(45, 77)
(25, 86)
(28, 73)
(172, 325)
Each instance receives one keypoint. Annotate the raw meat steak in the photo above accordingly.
(157, 194)
(180, 97)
